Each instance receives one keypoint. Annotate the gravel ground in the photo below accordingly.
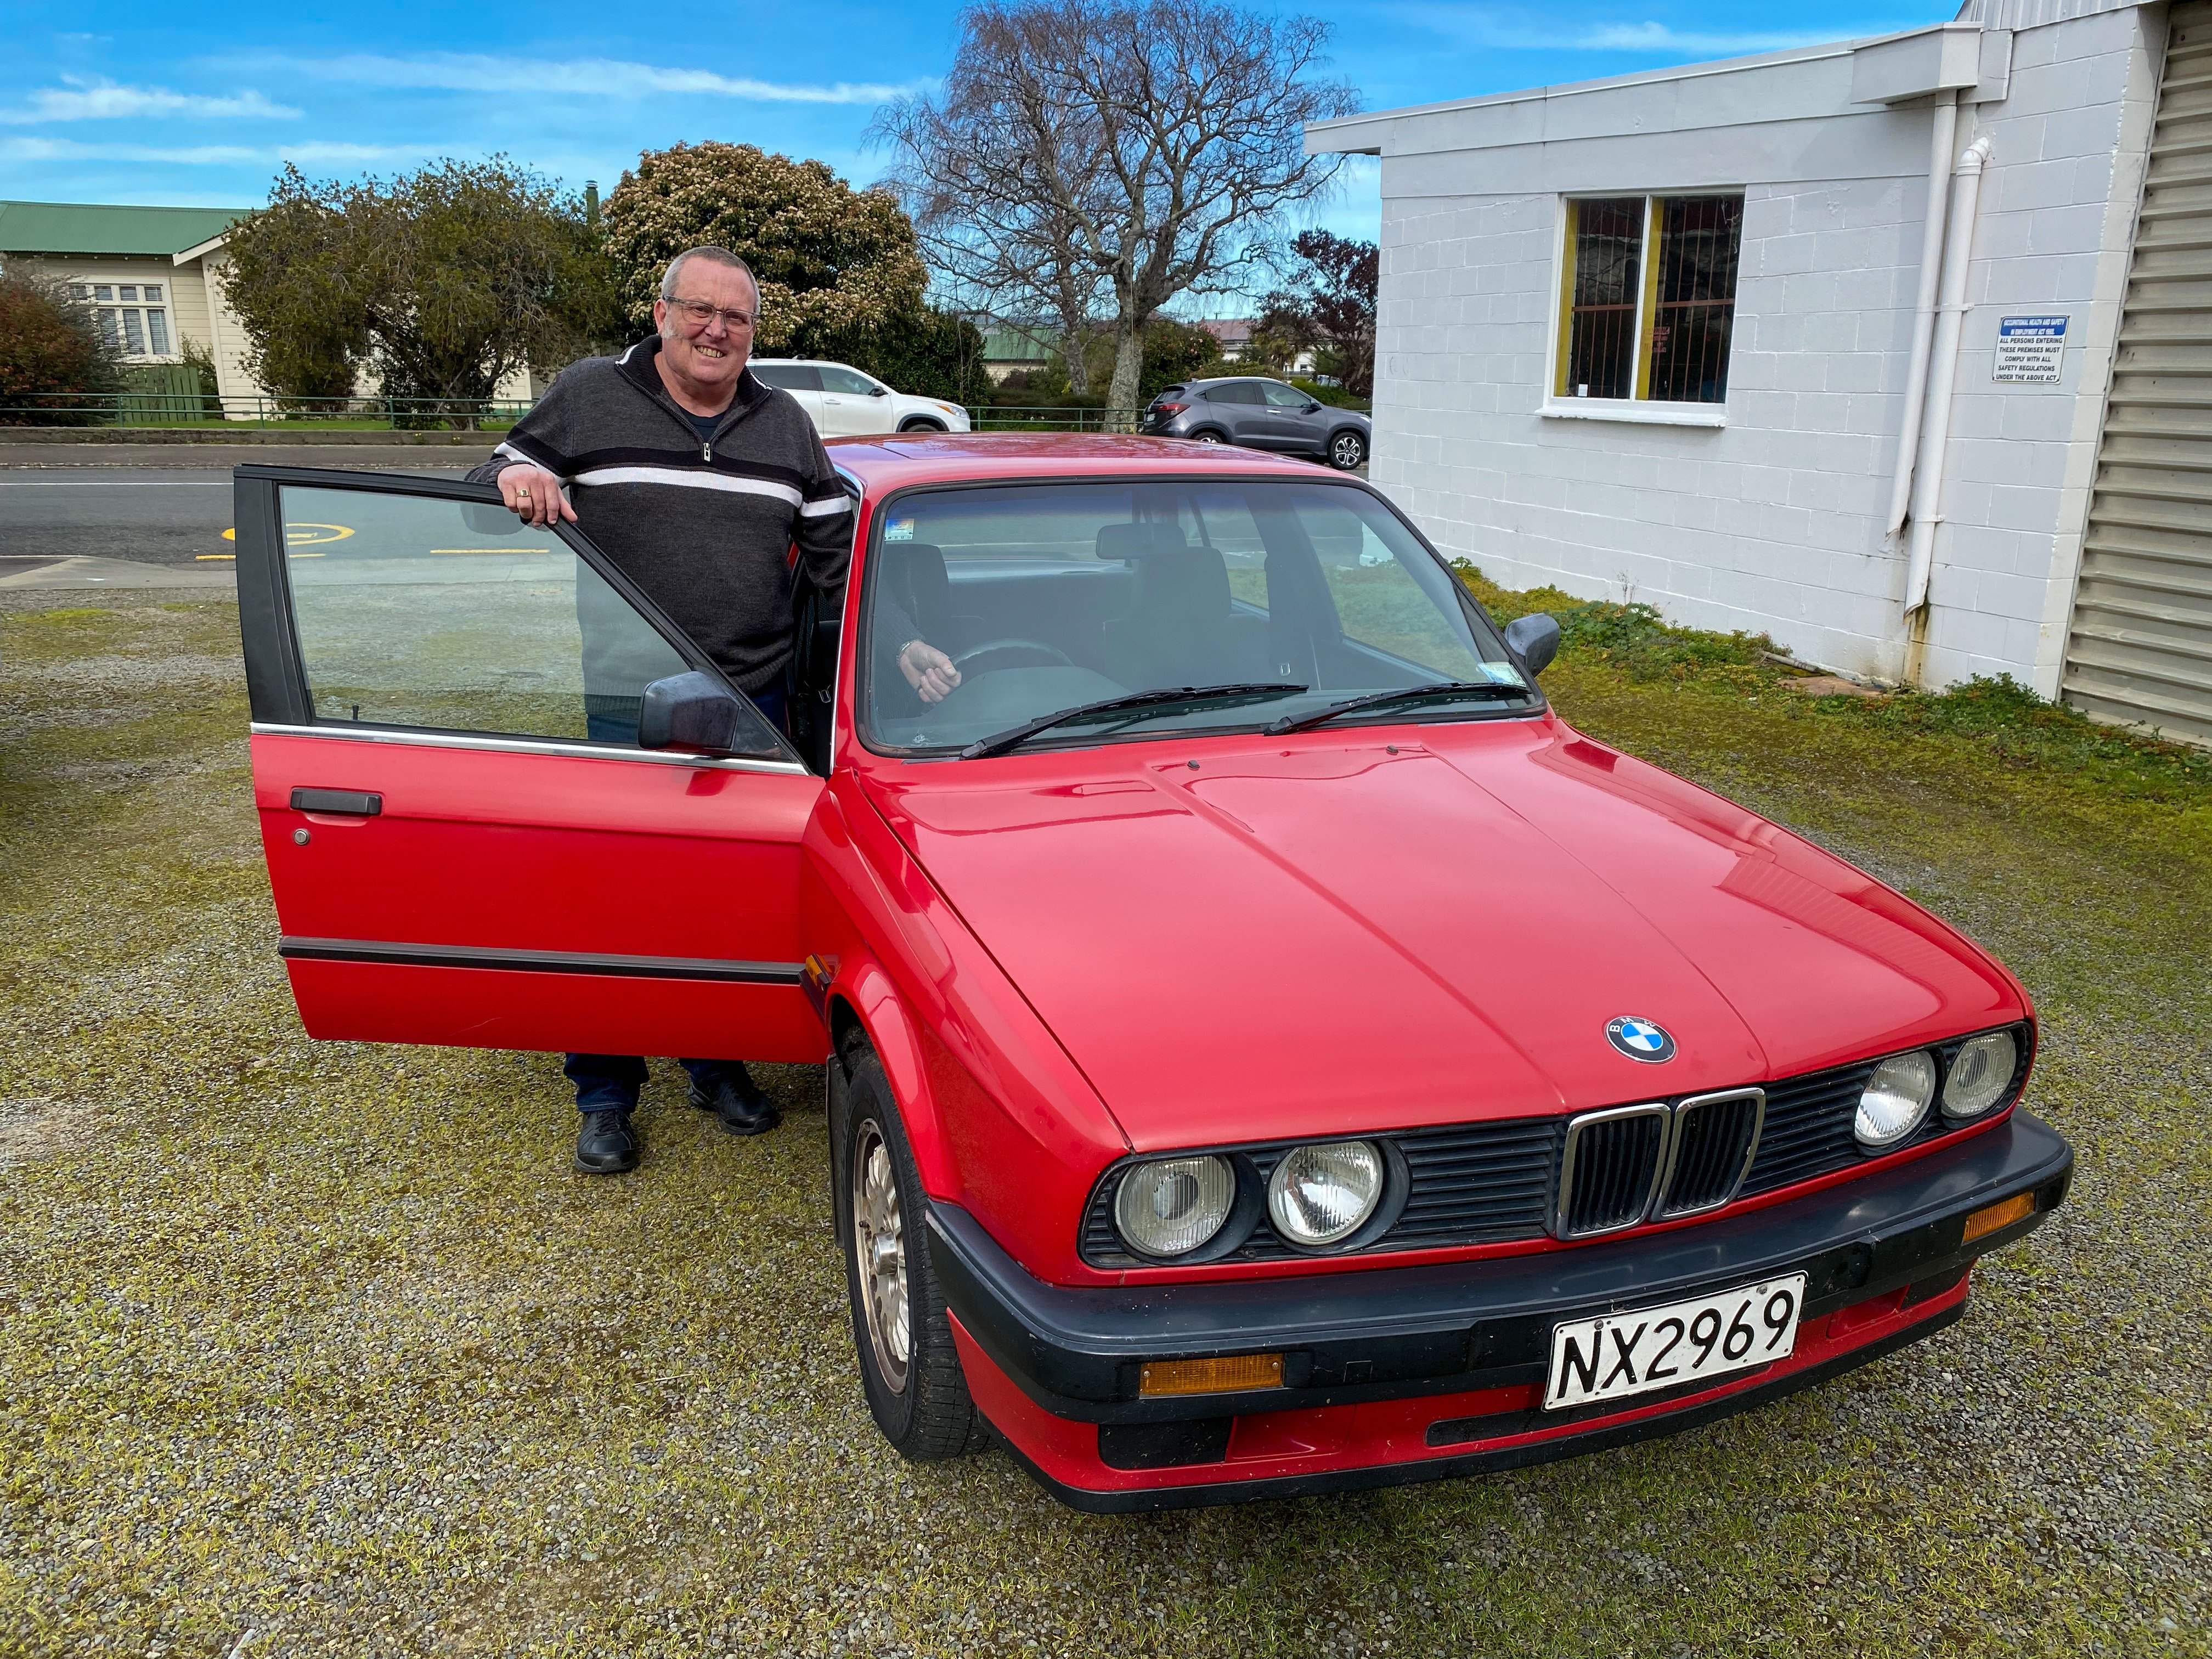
(322, 1349)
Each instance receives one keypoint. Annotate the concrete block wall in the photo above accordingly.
(1774, 523)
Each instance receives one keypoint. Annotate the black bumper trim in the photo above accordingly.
(1367, 1479)
(1398, 1333)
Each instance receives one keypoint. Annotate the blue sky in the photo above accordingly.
(201, 105)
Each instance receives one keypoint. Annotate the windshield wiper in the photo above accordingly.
(1408, 694)
(1000, 742)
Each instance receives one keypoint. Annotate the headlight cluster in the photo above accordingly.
(1896, 1099)
(1318, 1195)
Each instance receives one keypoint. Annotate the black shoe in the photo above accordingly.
(606, 1145)
(735, 1098)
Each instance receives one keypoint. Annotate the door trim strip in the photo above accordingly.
(382, 952)
(531, 746)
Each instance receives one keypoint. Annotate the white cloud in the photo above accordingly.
(77, 100)
(572, 77)
(69, 150)
(1515, 31)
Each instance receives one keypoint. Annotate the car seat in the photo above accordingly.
(1185, 630)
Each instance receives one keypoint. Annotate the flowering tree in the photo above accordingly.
(831, 260)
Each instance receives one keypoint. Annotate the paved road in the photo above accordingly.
(167, 515)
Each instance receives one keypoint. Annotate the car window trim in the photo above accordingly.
(879, 513)
(274, 571)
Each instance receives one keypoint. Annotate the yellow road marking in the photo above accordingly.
(338, 534)
(215, 555)
(230, 535)
(491, 550)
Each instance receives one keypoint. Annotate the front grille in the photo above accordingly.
(1486, 1184)
(1611, 1163)
(1714, 1136)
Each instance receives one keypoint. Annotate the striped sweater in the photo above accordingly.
(705, 526)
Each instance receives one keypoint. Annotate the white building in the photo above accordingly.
(1660, 338)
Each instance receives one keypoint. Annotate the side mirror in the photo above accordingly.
(879, 391)
(491, 518)
(1534, 639)
(1310, 409)
(687, 711)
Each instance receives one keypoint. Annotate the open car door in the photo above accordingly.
(466, 842)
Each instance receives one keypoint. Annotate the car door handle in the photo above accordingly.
(347, 803)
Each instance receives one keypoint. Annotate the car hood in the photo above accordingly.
(1238, 941)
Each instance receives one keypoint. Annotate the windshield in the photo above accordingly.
(1047, 596)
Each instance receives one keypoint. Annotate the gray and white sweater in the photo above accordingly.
(704, 526)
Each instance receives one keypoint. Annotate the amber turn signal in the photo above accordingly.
(1991, 1217)
(1238, 1372)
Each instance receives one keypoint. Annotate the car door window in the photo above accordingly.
(1394, 600)
(422, 612)
(845, 380)
(1280, 395)
(1237, 392)
(791, 377)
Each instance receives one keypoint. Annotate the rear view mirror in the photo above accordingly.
(1310, 409)
(879, 391)
(688, 711)
(1534, 639)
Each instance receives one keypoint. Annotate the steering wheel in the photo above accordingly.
(1052, 654)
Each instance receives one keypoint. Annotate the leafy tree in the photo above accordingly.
(832, 261)
(445, 281)
(1116, 153)
(1330, 306)
(1173, 352)
(50, 354)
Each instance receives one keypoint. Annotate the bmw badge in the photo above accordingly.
(1640, 1039)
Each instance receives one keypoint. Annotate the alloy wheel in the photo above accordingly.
(879, 1242)
(1347, 451)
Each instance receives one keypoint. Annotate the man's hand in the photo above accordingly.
(533, 495)
(928, 670)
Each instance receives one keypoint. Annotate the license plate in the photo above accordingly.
(1617, 1355)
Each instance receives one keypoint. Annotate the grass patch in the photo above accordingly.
(323, 1342)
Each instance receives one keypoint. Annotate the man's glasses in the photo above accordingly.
(699, 313)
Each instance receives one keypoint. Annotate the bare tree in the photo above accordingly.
(1112, 154)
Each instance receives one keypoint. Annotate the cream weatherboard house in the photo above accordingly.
(152, 277)
(1898, 349)
(149, 272)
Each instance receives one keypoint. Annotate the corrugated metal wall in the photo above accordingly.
(2141, 650)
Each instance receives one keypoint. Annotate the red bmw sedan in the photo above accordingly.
(1269, 1052)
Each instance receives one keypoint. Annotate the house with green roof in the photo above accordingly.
(151, 276)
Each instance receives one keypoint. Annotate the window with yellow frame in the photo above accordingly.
(1647, 297)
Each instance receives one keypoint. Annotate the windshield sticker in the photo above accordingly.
(899, 530)
(1502, 673)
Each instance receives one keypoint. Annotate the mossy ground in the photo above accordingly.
(325, 1343)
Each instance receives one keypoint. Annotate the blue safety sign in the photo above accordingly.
(2030, 349)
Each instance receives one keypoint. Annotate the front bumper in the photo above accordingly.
(1396, 1374)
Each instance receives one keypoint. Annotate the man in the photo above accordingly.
(696, 478)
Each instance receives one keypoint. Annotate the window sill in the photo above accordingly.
(1608, 409)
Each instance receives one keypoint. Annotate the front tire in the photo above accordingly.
(1347, 450)
(919, 424)
(910, 1368)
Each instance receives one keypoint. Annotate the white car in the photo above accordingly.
(843, 401)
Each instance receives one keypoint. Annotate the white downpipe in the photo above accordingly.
(1940, 150)
(1943, 373)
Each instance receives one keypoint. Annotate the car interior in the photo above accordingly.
(1049, 598)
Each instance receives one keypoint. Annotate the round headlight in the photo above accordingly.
(1319, 1195)
(1980, 1075)
(1895, 1099)
(1172, 1207)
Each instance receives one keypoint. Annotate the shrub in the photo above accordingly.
(52, 353)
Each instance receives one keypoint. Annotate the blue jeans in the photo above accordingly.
(610, 1082)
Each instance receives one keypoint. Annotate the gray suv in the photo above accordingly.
(1260, 415)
